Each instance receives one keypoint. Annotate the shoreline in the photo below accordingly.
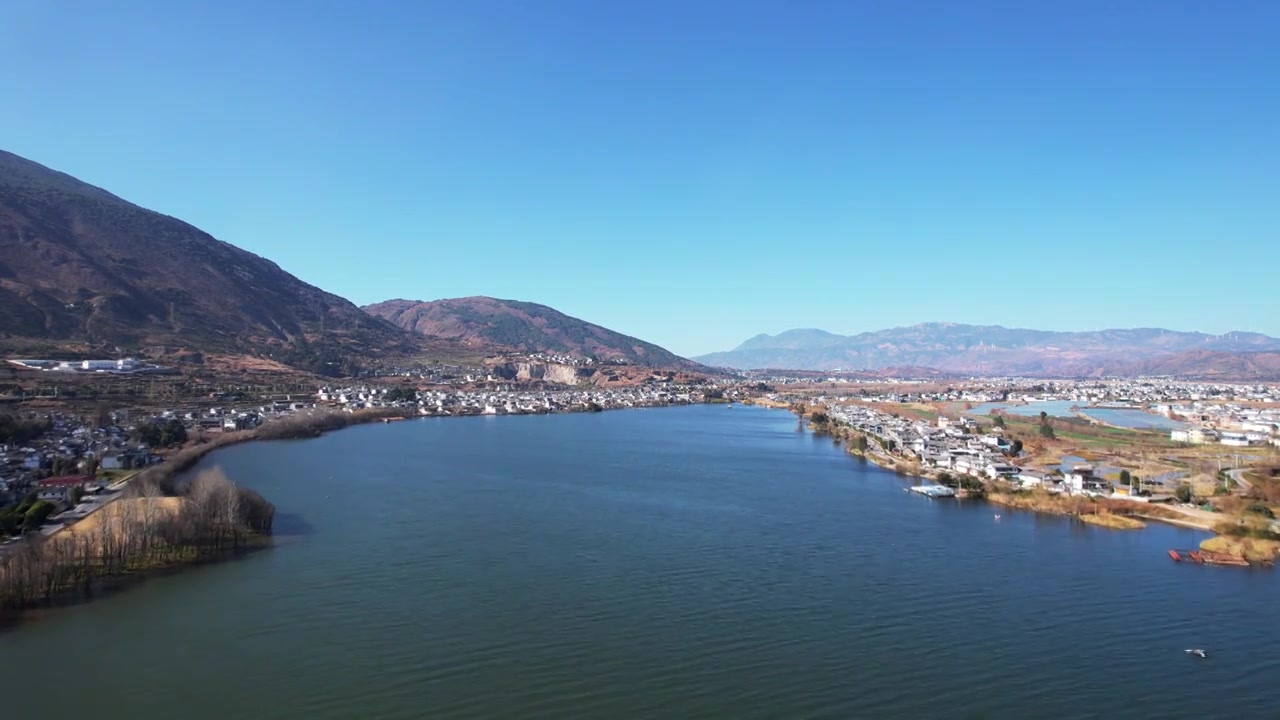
(999, 498)
(161, 477)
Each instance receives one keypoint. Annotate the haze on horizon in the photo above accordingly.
(694, 176)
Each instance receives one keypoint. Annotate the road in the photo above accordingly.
(1238, 476)
(91, 504)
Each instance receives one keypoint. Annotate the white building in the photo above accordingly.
(1194, 436)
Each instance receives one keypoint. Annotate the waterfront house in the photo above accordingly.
(1029, 479)
(997, 470)
(58, 489)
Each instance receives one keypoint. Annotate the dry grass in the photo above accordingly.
(1251, 549)
(124, 508)
(1109, 520)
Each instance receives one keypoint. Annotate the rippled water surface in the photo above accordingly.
(686, 562)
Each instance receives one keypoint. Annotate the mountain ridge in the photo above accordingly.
(81, 267)
(996, 350)
(522, 326)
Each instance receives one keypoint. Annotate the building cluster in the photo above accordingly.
(959, 448)
(121, 366)
(1227, 423)
(507, 400)
(558, 359)
(55, 462)
(59, 459)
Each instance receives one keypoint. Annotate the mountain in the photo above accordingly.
(994, 350)
(81, 268)
(523, 327)
(1210, 365)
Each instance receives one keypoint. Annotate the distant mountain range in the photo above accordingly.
(83, 272)
(994, 350)
(523, 327)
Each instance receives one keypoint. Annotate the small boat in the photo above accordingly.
(1176, 557)
(1197, 652)
(997, 516)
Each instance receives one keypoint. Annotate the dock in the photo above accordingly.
(1205, 557)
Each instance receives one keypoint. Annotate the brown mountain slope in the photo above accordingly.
(80, 265)
(1209, 365)
(524, 327)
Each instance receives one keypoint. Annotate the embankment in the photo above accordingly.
(289, 428)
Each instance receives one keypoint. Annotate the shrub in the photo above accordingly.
(1258, 508)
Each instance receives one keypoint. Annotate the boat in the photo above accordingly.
(1176, 557)
(997, 516)
(1198, 652)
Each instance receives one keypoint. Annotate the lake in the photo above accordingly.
(1053, 408)
(671, 563)
(1134, 418)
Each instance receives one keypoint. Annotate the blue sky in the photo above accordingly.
(694, 173)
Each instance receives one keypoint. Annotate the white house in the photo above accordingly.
(1235, 439)
(1002, 470)
(1031, 479)
(1194, 436)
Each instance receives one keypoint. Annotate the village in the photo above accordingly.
(1208, 452)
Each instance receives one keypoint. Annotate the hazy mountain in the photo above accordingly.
(80, 266)
(523, 327)
(1209, 365)
(989, 350)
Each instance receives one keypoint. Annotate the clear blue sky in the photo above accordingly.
(694, 173)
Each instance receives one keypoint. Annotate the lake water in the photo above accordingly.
(1054, 408)
(677, 563)
(1135, 418)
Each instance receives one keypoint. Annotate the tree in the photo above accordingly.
(1258, 508)
(862, 443)
(10, 521)
(1125, 478)
(945, 478)
(1183, 493)
(102, 416)
(170, 432)
(401, 394)
(1046, 431)
(1044, 418)
(36, 516)
(890, 445)
(1015, 448)
(999, 421)
(63, 466)
(173, 433)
